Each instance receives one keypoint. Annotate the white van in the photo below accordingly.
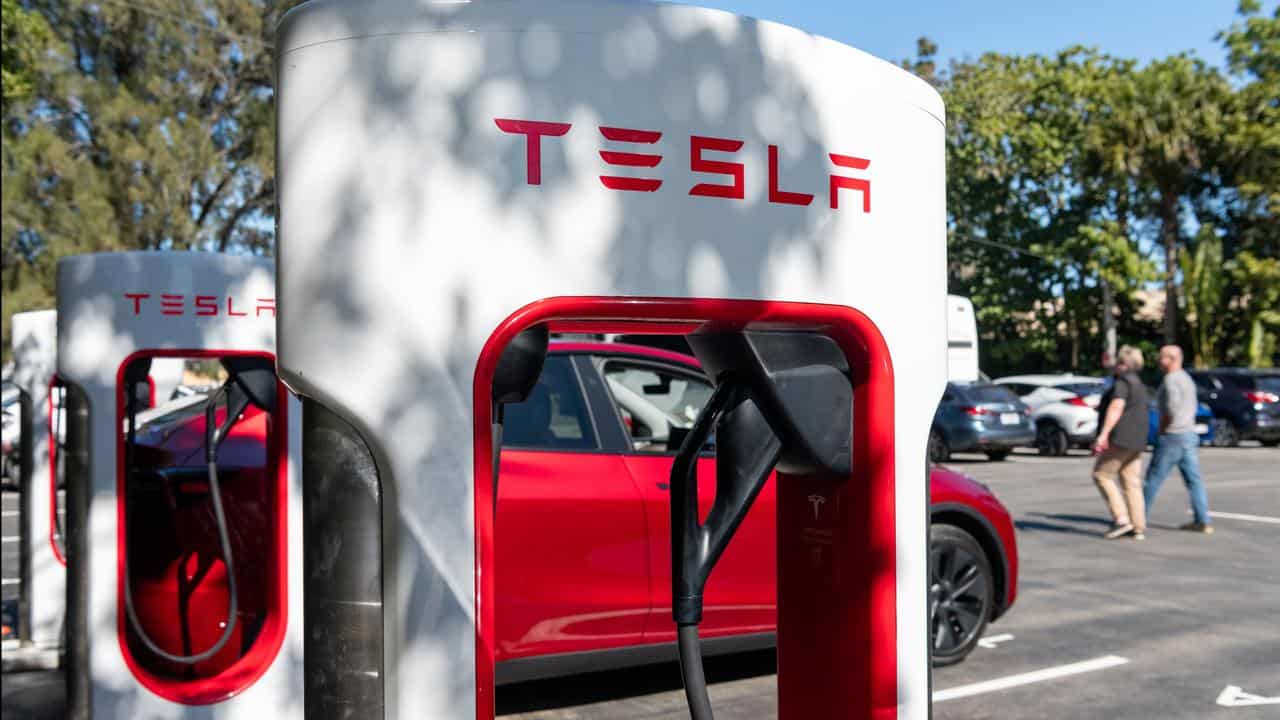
(962, 340)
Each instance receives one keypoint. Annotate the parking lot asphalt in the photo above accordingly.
(1180, 625)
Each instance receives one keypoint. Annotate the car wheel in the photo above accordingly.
(1052, 440)
(1224, 433)
(1270, 443)
(997, 455)
(961, 593)
(939, 451)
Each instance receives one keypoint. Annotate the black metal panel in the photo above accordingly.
(76, 543)
(342, 570)
(26, 499)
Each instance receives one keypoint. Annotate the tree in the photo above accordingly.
(1260, 280)
(145, 128)
(25, 36)
(1038, 207)
(1204, 283)
(1181, 118)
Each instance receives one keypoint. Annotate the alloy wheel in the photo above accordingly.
(960, 593)
(1224, 433)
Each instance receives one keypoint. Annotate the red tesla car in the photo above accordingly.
(583, 527)
(583, 521)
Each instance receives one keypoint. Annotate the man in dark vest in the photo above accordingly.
(1121, 440)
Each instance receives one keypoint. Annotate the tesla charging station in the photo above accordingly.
(41, 599)
(182, 555)
(42, 557)
(456, 176)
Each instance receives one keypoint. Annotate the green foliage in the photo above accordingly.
(1259, 279)
(1204, 282)
(1068, 170)
(25, 36)
(143, 126)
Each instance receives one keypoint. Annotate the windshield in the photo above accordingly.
(990, 394)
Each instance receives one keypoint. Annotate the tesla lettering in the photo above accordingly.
(732, 175)
(201, 305)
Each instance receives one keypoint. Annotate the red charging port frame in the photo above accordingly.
(245, 671)
(859, 678)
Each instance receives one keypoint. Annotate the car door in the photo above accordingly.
(572, 553)
(653, 398)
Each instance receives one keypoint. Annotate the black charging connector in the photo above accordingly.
(782, 400)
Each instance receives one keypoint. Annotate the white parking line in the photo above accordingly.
(991, 641)
(1239, 516)
(1036, 676)
(10, 581)
(11, 539)
(10, 513)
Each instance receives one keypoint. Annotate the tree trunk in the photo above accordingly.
(1108, 325)
(1074, 329)
(1169, 229)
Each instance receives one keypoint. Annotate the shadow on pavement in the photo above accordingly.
(1064, 517)
(630, 682)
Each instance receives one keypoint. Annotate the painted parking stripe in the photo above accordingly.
(1036, 676)
(1250, 518)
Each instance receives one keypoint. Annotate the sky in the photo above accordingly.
(1139, 29)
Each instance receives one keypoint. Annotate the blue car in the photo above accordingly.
(1204, 423)
(980, 417)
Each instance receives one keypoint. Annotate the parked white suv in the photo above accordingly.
(1063, 407)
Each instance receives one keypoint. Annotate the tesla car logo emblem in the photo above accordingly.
(816, 501)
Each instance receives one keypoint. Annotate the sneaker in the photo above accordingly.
(1199, 527)
(1139, 535)
(1118, 531)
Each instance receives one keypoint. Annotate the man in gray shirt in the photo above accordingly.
(1178, 443)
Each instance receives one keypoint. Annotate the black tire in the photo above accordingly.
(998, 455)
(939, 451)
(1224, 433)
(961, 594)
(1052, 440)
(1271, 442)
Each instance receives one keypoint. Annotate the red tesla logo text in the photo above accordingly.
(200, 305)
(731, 184)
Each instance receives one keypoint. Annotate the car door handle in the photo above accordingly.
(664, 486)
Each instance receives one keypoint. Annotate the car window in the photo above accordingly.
(1232, 381)
(653, 401)
(990, 394)
(1082, 388)
(554, 416)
